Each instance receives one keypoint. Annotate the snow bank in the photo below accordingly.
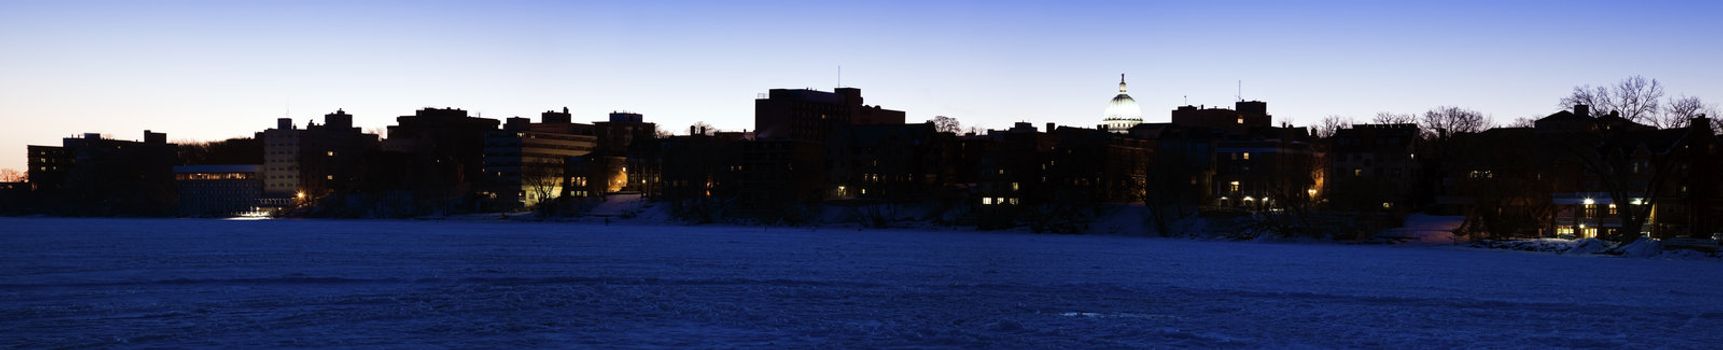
(1642, 248)
(1124, 219)
(1546, 245)
(1426, 229)
(1587, 246)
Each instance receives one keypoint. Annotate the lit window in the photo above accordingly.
(1014, 186)
(1387, 205)
(986, 200)
(1235, 186)
(1358, 172)
(1246, 155)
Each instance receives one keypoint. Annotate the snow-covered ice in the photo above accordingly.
(250, 284)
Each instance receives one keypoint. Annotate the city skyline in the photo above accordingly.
(209, 70)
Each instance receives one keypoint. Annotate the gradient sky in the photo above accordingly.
(209, 70)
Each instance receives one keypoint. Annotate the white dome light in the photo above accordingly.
(1123, 112)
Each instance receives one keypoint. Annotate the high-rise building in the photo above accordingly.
(625, 159)
(1243, 116)
(447, 146)
(306, 163)
(814, 129)
(810, 115)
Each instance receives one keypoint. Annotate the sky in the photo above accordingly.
(211, 70)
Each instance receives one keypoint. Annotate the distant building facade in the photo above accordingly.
(1375, 167)
(443, 150)
(811, 115)
(1243, 116)
(96, 175)
(218, 190)
(526, 160)
(303, 164)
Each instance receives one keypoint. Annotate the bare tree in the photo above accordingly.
(1524, 122)
(1679, 111)
(542, 182)
(1394, 118)
(13, 175)
(1330, 125)
(1636, 98)
(946, 124)
(1446, 121)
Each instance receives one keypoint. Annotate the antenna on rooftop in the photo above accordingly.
(1240, 95)
(840, 75)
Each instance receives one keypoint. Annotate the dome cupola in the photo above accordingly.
(1123, 112)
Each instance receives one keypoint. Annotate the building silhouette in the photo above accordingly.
(303, 164)
(526, 160)
(1375, 167)
(218, 190)
(813, 153)
(1243, 116)
(439, 152)
(96, 175)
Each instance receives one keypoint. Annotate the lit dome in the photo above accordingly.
(1123, 112)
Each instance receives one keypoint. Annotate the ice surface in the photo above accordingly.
(357, 284)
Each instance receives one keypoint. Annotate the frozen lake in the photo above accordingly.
(249, 284)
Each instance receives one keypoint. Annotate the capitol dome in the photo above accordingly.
(1123, 112)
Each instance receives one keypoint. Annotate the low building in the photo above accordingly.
(15, 197)
(219, 190)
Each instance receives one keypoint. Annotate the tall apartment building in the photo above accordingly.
(302, 164)
(443, 147)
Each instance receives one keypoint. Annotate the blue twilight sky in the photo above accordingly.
(207, 70)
